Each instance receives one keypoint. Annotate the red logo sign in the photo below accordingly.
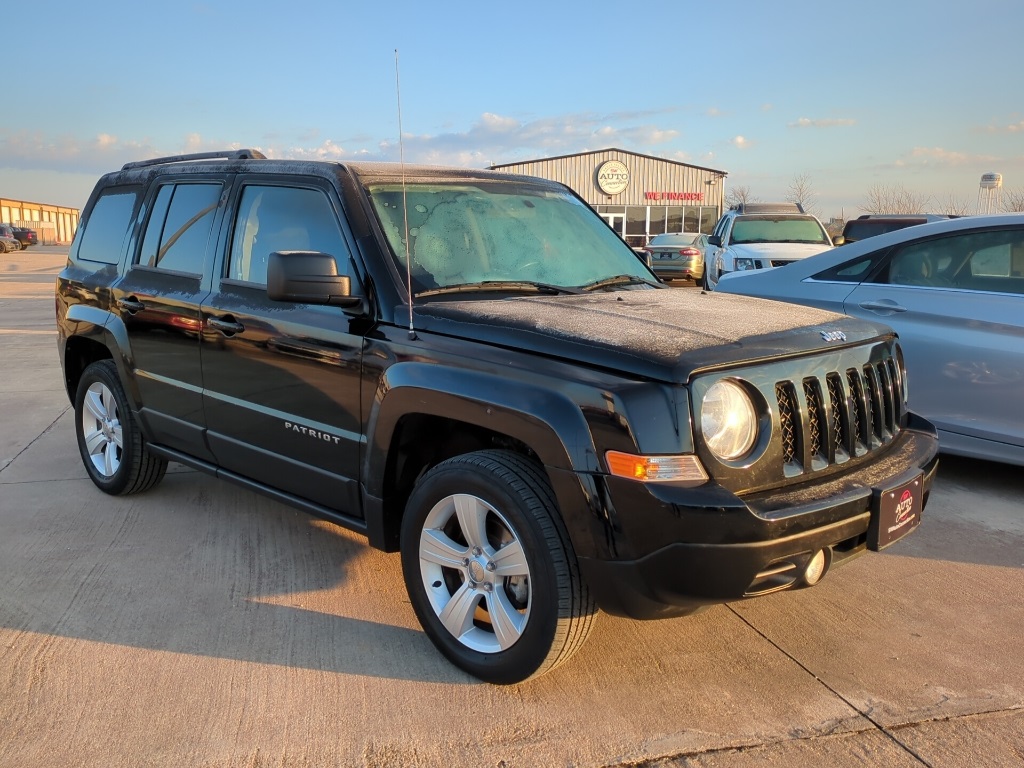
(905, 506)
(696, 196)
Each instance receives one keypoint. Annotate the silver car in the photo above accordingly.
(954, 291)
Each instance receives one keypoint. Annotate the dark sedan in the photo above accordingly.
(25, 236)
(954, 292)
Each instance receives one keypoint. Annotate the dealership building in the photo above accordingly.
(638, 195)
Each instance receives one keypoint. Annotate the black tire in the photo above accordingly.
(112, 446)
(512, 626)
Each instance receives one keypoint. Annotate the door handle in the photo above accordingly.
(882, 305)
(228, 326)
(131, 305)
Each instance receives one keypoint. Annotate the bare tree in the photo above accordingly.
(1013, 200)
(801, 192)
(739, 195)
(954, 206)
(895, 198)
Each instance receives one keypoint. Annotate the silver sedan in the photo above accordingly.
(954, 292)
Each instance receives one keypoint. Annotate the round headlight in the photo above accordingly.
(728, 420)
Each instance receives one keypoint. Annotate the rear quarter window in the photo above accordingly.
(854, 271)
(103, 233)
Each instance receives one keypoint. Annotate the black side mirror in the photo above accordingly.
(715, 240)
(308, 277)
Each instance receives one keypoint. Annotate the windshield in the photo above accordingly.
(486, 232)
(778, 229)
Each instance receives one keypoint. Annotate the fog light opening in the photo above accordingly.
(816, 567)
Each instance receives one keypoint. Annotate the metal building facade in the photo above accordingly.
(53, 223)
(638, 195)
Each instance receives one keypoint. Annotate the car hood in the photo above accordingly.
(777, 250)
(663, 334)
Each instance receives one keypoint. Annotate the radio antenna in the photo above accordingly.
(405, 205)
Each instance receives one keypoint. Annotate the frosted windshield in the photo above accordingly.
(469, 233)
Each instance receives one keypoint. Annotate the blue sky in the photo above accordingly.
(922, 95)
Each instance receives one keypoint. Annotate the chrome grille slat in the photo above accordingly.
(874, 407)
(784, 398)
(858, 412)
(812, 397)
(838, 418)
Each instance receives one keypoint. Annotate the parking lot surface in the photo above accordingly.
(201, 625)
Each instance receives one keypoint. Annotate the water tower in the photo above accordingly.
(990, 193)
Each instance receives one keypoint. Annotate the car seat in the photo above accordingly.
(280, 229)
(913, 268)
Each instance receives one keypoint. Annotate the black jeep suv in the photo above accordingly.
(472, 369)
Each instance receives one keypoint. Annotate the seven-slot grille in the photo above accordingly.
(828, 419)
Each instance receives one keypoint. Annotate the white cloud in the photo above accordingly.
(944, 157)
(806, 122)
(740, 142)
(498, 123)
(492, 138)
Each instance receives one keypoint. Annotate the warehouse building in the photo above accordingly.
(53, 223)
(640, 196)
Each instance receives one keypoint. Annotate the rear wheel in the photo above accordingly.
(112, 447)
(490, 570)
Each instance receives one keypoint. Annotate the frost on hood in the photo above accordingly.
(657, 324)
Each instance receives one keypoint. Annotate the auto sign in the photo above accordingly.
(895, 513)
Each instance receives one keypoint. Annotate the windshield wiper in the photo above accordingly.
(528, 286)
(618, 280)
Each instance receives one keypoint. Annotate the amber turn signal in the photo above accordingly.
(684, 469)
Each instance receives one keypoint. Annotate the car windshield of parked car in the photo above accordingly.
(484, 232)
(778, 229)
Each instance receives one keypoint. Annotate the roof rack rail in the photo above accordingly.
(232, 154)
(770, 208)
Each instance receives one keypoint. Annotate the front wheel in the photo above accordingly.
(109, 439)
(490, 570)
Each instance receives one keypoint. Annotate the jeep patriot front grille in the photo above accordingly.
(829, 418)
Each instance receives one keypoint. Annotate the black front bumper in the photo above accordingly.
(762, 545)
